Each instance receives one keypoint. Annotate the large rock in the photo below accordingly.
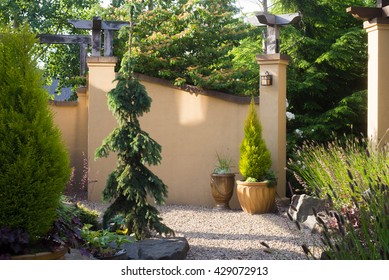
(302, 207)
(158, 249)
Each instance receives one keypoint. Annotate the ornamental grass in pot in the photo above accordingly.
(222, 183)
(256, 193)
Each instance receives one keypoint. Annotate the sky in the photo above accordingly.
(248, 6)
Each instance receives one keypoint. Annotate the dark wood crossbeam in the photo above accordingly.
(369, 13)
(97, 25)
(64, 39)
(364, 13)
(105, 25)
(273, 24)
(82, 40)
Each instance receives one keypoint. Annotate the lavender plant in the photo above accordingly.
(360, 232)
(354, 178)
(330, 169)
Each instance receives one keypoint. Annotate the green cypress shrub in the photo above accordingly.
(255, 161)
(34, 165)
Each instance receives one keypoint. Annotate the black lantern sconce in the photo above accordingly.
(267, 79)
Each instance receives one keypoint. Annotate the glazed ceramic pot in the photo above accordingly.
(255, 197)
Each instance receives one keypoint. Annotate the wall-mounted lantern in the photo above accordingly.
(266, 80)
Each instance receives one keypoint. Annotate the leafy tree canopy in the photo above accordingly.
(51, 17)
(327, 73)
(191, 42)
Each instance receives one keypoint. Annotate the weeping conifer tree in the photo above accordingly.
(132, 182)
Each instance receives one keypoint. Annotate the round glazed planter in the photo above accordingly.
(255, 197)
(222, 187)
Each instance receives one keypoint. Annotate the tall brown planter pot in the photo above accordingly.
(222, 187)
(255, 197)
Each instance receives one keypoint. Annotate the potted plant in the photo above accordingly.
(222, 183)
(104, 244)
(256, 194)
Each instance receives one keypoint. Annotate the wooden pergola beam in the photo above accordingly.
(365, 13)
(64, 39)
(97, 25)
(105, 25)
(82, 40)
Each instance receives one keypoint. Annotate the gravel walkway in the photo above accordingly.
(236, 235)
(227, 235)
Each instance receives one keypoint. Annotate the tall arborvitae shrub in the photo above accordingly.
(132, 183)
(34, 164)
(255, 159)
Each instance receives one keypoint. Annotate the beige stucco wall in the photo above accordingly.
(378, 82)
(191, 125)
(72, 120)
(192, 129)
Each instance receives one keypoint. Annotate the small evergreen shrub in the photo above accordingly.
(255, 160)
(132, 183)
(34, 162)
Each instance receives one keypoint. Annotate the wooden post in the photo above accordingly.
(97, 25)
(273, 39)
(273, 24)
(83, 56)
(96, 36)
(108, 42)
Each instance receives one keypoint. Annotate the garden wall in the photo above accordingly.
(72, 119)
(191, 125)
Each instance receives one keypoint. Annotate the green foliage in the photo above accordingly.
(328, 70)
(358, 232)
(223, 164)
(34, 162)
(50, 17)
(255, 158)
(86, 215)
(354, 180)
(132, 183)
(361, 232)
(244, 64)
(189, 42)
(102, 243)
(68, 210)
(334, 169)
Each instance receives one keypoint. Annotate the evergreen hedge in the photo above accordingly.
(34, 162)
